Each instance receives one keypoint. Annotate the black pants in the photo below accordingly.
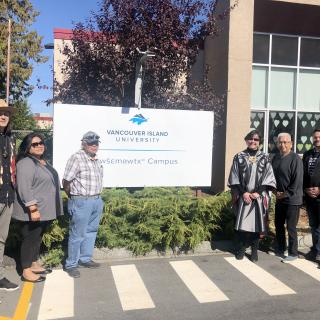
(31, 241)
(244, 239)
(289, 214)
(313, 210)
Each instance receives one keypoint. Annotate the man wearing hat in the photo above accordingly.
(7, 179)
(82, 181)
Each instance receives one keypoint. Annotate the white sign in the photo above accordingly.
(146, 147)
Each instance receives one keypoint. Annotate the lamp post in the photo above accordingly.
(139, 76)
(8, 61)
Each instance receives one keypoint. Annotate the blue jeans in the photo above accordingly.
(85, 213)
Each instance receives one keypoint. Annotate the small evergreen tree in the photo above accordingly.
(22, 118)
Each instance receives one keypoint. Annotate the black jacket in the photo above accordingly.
(314, 180)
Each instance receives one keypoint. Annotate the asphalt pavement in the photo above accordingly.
(214, 286)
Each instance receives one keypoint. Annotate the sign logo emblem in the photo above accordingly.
(138, 119)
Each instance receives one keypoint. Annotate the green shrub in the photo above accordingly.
(147, 219)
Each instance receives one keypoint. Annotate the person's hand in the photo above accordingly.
(313, 192)
(246, 197)
(254, 195)
(35, 216)
(280, 195)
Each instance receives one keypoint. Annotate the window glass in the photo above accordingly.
(279, 122)
(284, 50)
(259, 86)
(310, 52)
(309, 90)
(257, 122)
(282, 88)
(306, 123)
(261, 48)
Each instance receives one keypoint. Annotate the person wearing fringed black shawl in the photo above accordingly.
(251, 178)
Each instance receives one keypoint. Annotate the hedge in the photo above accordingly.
(147, 219)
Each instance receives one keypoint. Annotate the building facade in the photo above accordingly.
(266, 63)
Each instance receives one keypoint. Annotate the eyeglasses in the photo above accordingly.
(254, 139)
(37, 144)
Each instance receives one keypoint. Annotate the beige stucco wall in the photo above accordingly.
(59, 58)
(230, 58)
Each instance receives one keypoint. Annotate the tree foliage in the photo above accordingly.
(101, 62)
(22, 118)
(25, 47)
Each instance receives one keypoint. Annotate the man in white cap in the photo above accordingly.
(7, 180)
(82, 182)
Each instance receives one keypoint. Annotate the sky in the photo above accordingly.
(53, 14)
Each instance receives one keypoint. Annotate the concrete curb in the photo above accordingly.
(205, 248)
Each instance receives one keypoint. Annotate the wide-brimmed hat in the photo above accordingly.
(4, 106)
(90, 137)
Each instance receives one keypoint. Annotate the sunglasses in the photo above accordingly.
(254, 139)
(37, 144)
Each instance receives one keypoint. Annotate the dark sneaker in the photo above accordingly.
(90, 264)
(289, 259)
(311, 255)
(73, 272)
(317, 259)
(7, 285)
(254, 256)
(280, 254)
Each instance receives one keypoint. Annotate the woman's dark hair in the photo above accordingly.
(253, 133)
(25, 145)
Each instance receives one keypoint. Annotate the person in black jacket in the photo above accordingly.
(288, 170)
(311, 184)
(7, 182)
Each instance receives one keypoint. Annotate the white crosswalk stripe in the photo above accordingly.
(131, 290)
(197, 282)
(58, 295)
(260, 277)
(57, 300)
(307, 267)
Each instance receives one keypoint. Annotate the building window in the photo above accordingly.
(309, 90)
(261, 48)
(259, 86)
(285, 88)
(284, 50)
(282, 88)
(306, 123)
(279, 122)
(310, 53)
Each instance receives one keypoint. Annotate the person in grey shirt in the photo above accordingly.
(288, 170)
(38, 203)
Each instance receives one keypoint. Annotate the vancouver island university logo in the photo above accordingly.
(138, 119)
